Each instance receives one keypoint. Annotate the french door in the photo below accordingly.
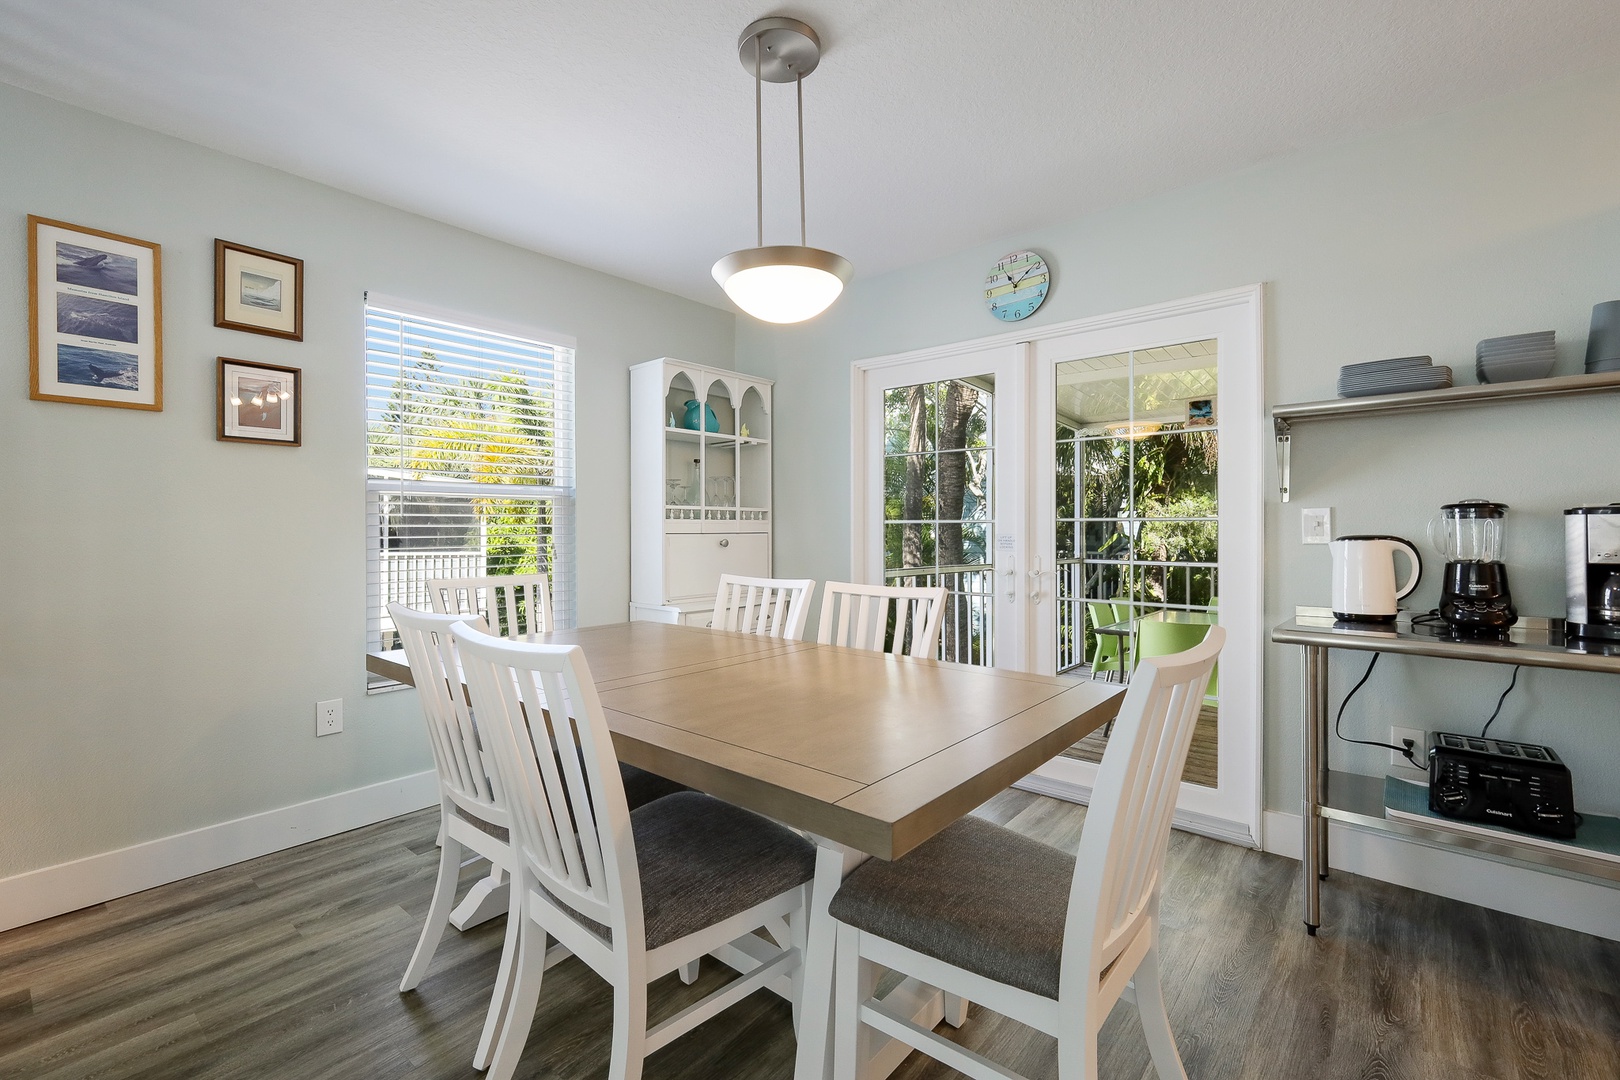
(1121, 460)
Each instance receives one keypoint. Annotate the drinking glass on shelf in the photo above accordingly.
(674, 493)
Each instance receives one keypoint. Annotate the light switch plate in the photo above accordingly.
(1316, 526)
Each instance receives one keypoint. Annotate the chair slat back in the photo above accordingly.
(457, 752)
(538, 707)
(514, 605)
(772, 607)
(1127, 825)
(862, 614)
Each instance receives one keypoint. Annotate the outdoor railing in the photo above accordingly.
(967, 631)
(405, 574)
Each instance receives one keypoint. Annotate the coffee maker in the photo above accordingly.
(1474, 596)
(1592, 571)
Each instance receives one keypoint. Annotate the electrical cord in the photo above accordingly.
(1498, 712)
(1404, 751)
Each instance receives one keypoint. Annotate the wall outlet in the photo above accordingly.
(1316, 526)
(328, 717)
(1420, 746)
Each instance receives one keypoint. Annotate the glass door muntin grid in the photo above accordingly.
(939, 455)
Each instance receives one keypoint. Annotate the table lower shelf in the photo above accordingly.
(1359, 800)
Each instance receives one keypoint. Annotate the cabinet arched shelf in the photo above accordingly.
(700, 500)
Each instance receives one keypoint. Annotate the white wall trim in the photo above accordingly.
(54, 890)
(1578, 904)
(1229, 832)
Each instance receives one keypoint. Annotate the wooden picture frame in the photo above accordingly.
(258, 291)
(95, 317)
(251, 403)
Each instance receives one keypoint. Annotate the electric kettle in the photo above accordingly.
(1364, 587)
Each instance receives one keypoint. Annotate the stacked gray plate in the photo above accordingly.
(1513, 358)
(1398, 376)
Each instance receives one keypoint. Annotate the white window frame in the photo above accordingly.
(560, 493)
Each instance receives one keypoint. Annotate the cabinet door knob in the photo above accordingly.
(725, 543)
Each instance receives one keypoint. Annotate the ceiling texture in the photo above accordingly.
(618, 134)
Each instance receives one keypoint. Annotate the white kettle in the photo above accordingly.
(1364, 577)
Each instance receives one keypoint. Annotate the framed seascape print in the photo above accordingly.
(95, 317)
(1201, 412)
(259, 403)
(258, 291)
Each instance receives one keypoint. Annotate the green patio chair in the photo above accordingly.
(1105, 654)
(1155, 638)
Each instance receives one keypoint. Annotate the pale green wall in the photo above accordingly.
(1425, 239)
(174, 606)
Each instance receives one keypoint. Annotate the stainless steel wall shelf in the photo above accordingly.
(1284, 417)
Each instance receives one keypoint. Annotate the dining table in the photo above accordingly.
(868, 753)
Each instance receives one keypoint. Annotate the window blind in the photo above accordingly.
(469, 460)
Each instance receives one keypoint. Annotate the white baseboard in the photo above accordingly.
(1229, 832)
(54, 890)
(1588, 906)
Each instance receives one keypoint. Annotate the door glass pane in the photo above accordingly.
(1138, 540)
(939, 506)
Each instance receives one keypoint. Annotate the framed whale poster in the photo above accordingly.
(95, 317)
(258, 291)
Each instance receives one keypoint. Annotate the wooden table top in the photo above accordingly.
(874, 751)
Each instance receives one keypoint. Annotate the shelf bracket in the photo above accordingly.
(1285, 442)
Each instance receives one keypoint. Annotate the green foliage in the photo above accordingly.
(482, 428)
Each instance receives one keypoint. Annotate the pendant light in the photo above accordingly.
(783, 283)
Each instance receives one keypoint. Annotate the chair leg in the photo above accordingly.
(855, 980)
(629, 1027)
(501, 998)
(689, 971)
(955, 1010)
(525, 994)
(1155, 1020)
(1077, 1052)
(798, 933)
(438, 916)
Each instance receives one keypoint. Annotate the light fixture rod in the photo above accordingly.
(759, 154)
(798, 85)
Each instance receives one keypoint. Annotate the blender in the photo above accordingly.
(1474, 596)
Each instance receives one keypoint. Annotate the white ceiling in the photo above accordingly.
(618, 134)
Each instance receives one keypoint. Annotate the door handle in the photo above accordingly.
(1012, 579)
(1035, 576)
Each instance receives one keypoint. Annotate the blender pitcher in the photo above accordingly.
(1474, 595)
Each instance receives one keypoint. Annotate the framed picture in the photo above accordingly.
(95, 317)
(1201, 412)
(258, 291)
(260, 403)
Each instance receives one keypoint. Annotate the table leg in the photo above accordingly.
(487, 898)
(919, 1002)
(1311, 862)
(1322, 714)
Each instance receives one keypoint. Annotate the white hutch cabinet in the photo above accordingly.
(700, 499)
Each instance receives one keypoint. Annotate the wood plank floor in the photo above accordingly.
(287, 967)
(1203, 758)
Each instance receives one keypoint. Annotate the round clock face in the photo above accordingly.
(1016, 285)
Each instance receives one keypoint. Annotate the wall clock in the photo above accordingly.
(1016, 285)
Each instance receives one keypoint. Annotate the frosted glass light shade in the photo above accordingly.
(783, 283)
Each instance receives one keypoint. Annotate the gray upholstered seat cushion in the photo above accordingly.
(703, 861)
(977, 895)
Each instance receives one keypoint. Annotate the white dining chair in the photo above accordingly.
(634, 896)
(519, 606)
(513, 605)
(863, 614)
(472, 813)
(1048, 939)
(773, 607)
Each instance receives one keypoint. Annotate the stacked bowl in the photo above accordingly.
(1603, 347)
(1514, 358)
